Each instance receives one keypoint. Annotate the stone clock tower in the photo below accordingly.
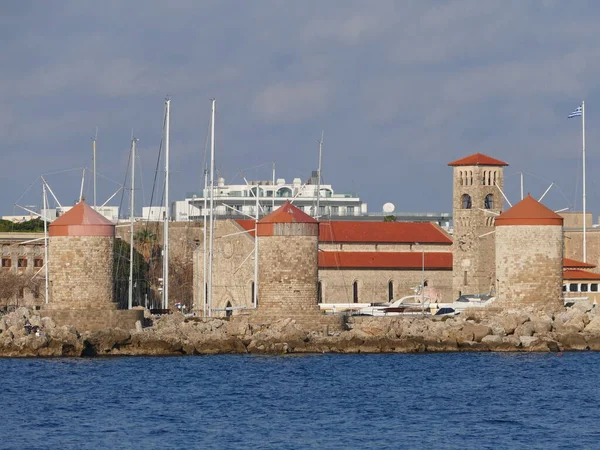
(476, 201)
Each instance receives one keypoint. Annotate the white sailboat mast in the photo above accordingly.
(584, 203)
(255, 290)
(167, 209)
(274, 189)
(94, 164)
(131, 218)
(45, 200)
(319, 176)
(204, 248)
(211, 216)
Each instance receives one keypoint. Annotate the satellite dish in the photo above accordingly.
(388, 208)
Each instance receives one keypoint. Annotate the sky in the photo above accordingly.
(398, 88)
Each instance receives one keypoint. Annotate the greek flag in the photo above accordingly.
(575, 113)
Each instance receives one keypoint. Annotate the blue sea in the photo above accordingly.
(432, 401)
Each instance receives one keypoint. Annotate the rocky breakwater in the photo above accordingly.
(24, 334)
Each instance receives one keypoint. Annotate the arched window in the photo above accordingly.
(461, 177)
(228, 310)
(494, 177)
(355, 292)
(488, 203)
(390, 290)
(466, 201)
(484, 173)
(471, 177)
(319, 292)
(285, 192)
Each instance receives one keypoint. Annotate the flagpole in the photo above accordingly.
(583, 157)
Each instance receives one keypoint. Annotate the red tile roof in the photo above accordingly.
(247, 224)
(574, 264)
(81, 220)
(529, 212)
(478, 159)
(385, 260)
(287, 213)
(580, 275)
(382, 232)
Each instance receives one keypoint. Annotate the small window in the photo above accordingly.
(390, 290)
(583, 287)
(488, 203)
(466, 201)
(573, 287)
(465, 279)
(355, 292)
(564, 288)
(252, 293)
(319, 292)
(38, 262)
(22, 263)
(6, 262)
(594, 287)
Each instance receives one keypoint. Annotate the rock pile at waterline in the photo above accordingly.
(575, 328)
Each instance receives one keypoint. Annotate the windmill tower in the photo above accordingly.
(478, 180)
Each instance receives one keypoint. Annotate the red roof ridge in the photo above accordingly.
(81, 214)
(575, 274)
(288, 213)
(383, 232)
(573, 263)
(478, 159)
(529, 212)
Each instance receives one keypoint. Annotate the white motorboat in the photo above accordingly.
(403, 306)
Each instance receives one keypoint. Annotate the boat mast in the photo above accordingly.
(274, 189)
(82, 182)
(204, 254)
(94, 164)
(131, 217)
(211, 217)
(45, 200)
(255, 290)
(319, 176)
(166, 212)
(583, 157)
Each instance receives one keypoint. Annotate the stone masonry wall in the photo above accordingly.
(233, 268)
(529, 265)
(287, 276)
(337, 284)
(474, 248)
(80, 272)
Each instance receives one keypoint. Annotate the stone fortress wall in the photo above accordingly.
(533, 275)
(76, 264)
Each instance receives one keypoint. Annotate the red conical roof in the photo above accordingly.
(529, 212)
(287, 213)
(81, 220)
(478, 159)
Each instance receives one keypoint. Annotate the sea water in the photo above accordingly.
(323, 401)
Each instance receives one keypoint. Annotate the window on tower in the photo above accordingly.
(466, 201)
(488, 203)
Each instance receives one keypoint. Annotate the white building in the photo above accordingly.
(239, 200)
(110, 212)
(153, 213)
